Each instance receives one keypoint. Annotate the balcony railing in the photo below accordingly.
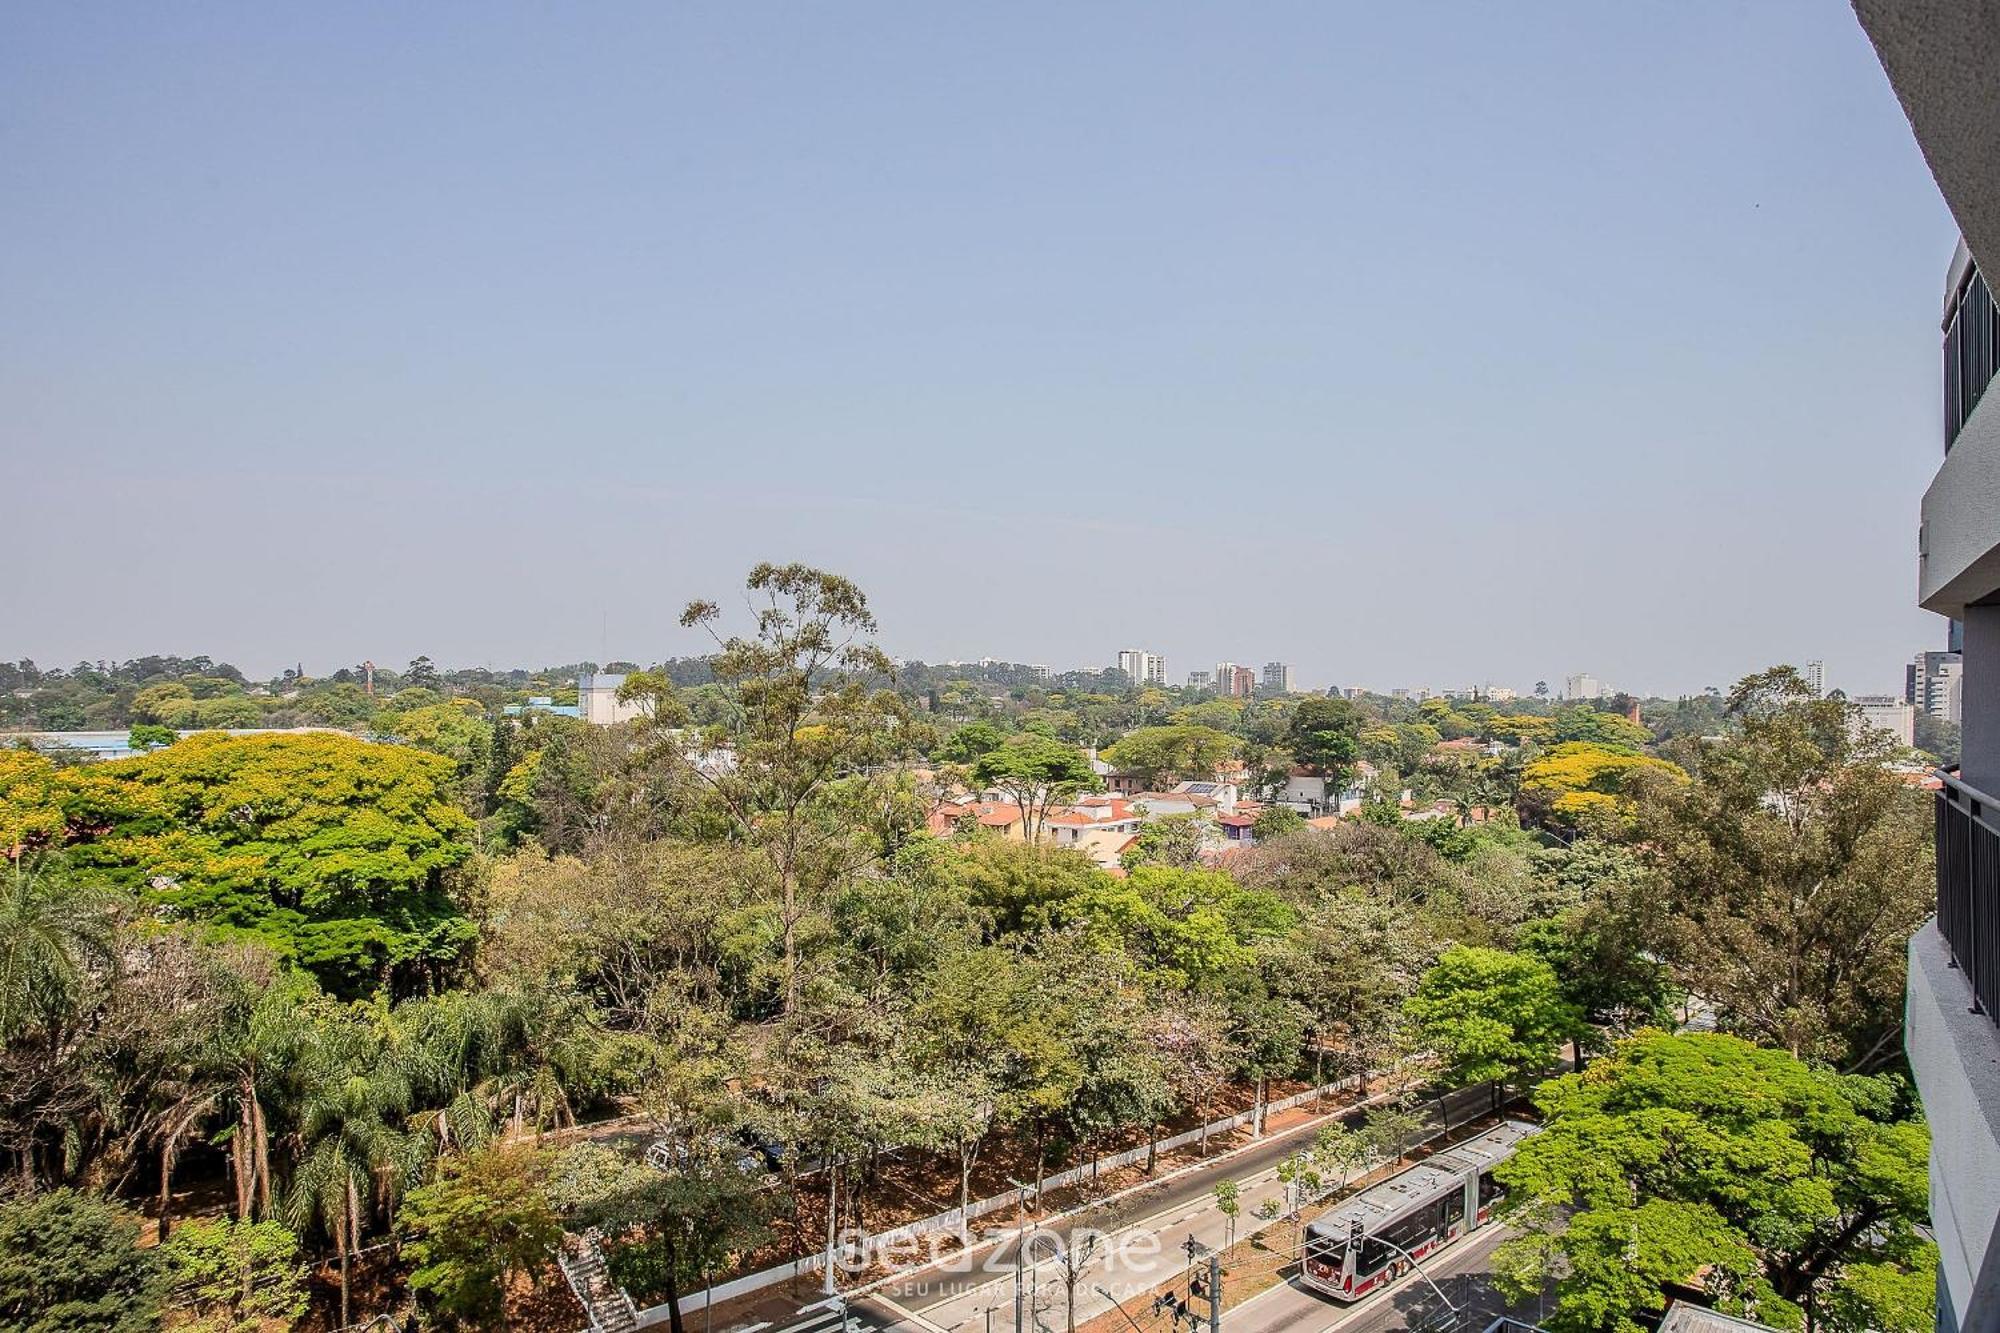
(1968, 884)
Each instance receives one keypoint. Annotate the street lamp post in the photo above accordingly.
(1020, 1244)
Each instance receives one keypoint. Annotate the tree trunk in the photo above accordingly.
(353, 1241)
(673, 1282)
(1041, 1156)
(166, 1186)
(340, 1247)
(1152, 1147)
(260, 1143)
(832, 1217)
(1257, 1116)
(239, 1163)
(789, 929)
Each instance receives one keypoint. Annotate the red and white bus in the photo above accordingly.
(1368, 1241)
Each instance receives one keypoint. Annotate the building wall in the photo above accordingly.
(1888, 713)
(1959, 542)
(1955, 1055)
(1979, 699)
(597, 701)
(1941, 57)
(1142, 667)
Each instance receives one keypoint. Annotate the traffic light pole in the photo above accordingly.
(1211, 1291)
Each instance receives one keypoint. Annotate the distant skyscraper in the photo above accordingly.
(1278, 677)
(1199, 680)
(1142, 667)
(1815, 674)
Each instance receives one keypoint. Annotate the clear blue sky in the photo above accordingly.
(1410, 343)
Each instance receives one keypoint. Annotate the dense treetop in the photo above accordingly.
(344, 977)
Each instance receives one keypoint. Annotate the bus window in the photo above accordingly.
(1327, 1251)
(1381, 1248)
(1490, 1189)
(1453, 1206)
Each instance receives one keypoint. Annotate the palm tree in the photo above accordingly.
(55, 934)
(267, 1051)
(57, 950)
(352, 1152)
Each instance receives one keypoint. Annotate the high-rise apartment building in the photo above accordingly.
(1278, 677)
(1142, 667)
(1583, 685)
(1934, 682)
(1236, 681)
(1815, 674)
(1943, 58)
(1200, 680)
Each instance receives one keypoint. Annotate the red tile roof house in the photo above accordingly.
(1003, 819)
(1238, 827)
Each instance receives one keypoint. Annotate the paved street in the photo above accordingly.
(827, 1318)
(1463, 1274)
(1137, 1246)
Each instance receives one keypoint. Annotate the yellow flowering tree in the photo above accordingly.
(1581, 784)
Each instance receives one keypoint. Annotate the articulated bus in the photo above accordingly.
(1368, 1241)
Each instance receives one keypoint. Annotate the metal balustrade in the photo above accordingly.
(1968, 887)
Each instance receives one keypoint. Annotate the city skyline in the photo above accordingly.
(1305, 680)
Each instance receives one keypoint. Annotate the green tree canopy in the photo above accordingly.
(1324, 736)
(70, 1262)
(231, 1276)
(971, 741)
(1196, 928)
(1489, 1014)
(483, 1221)
(1037, 773)
(1157, 754)
(331, 849)
(1702, 1157)
(1794, 866)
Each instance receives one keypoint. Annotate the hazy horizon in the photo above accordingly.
(1413, 348)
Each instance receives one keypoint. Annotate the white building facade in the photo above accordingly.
(1141, 667)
